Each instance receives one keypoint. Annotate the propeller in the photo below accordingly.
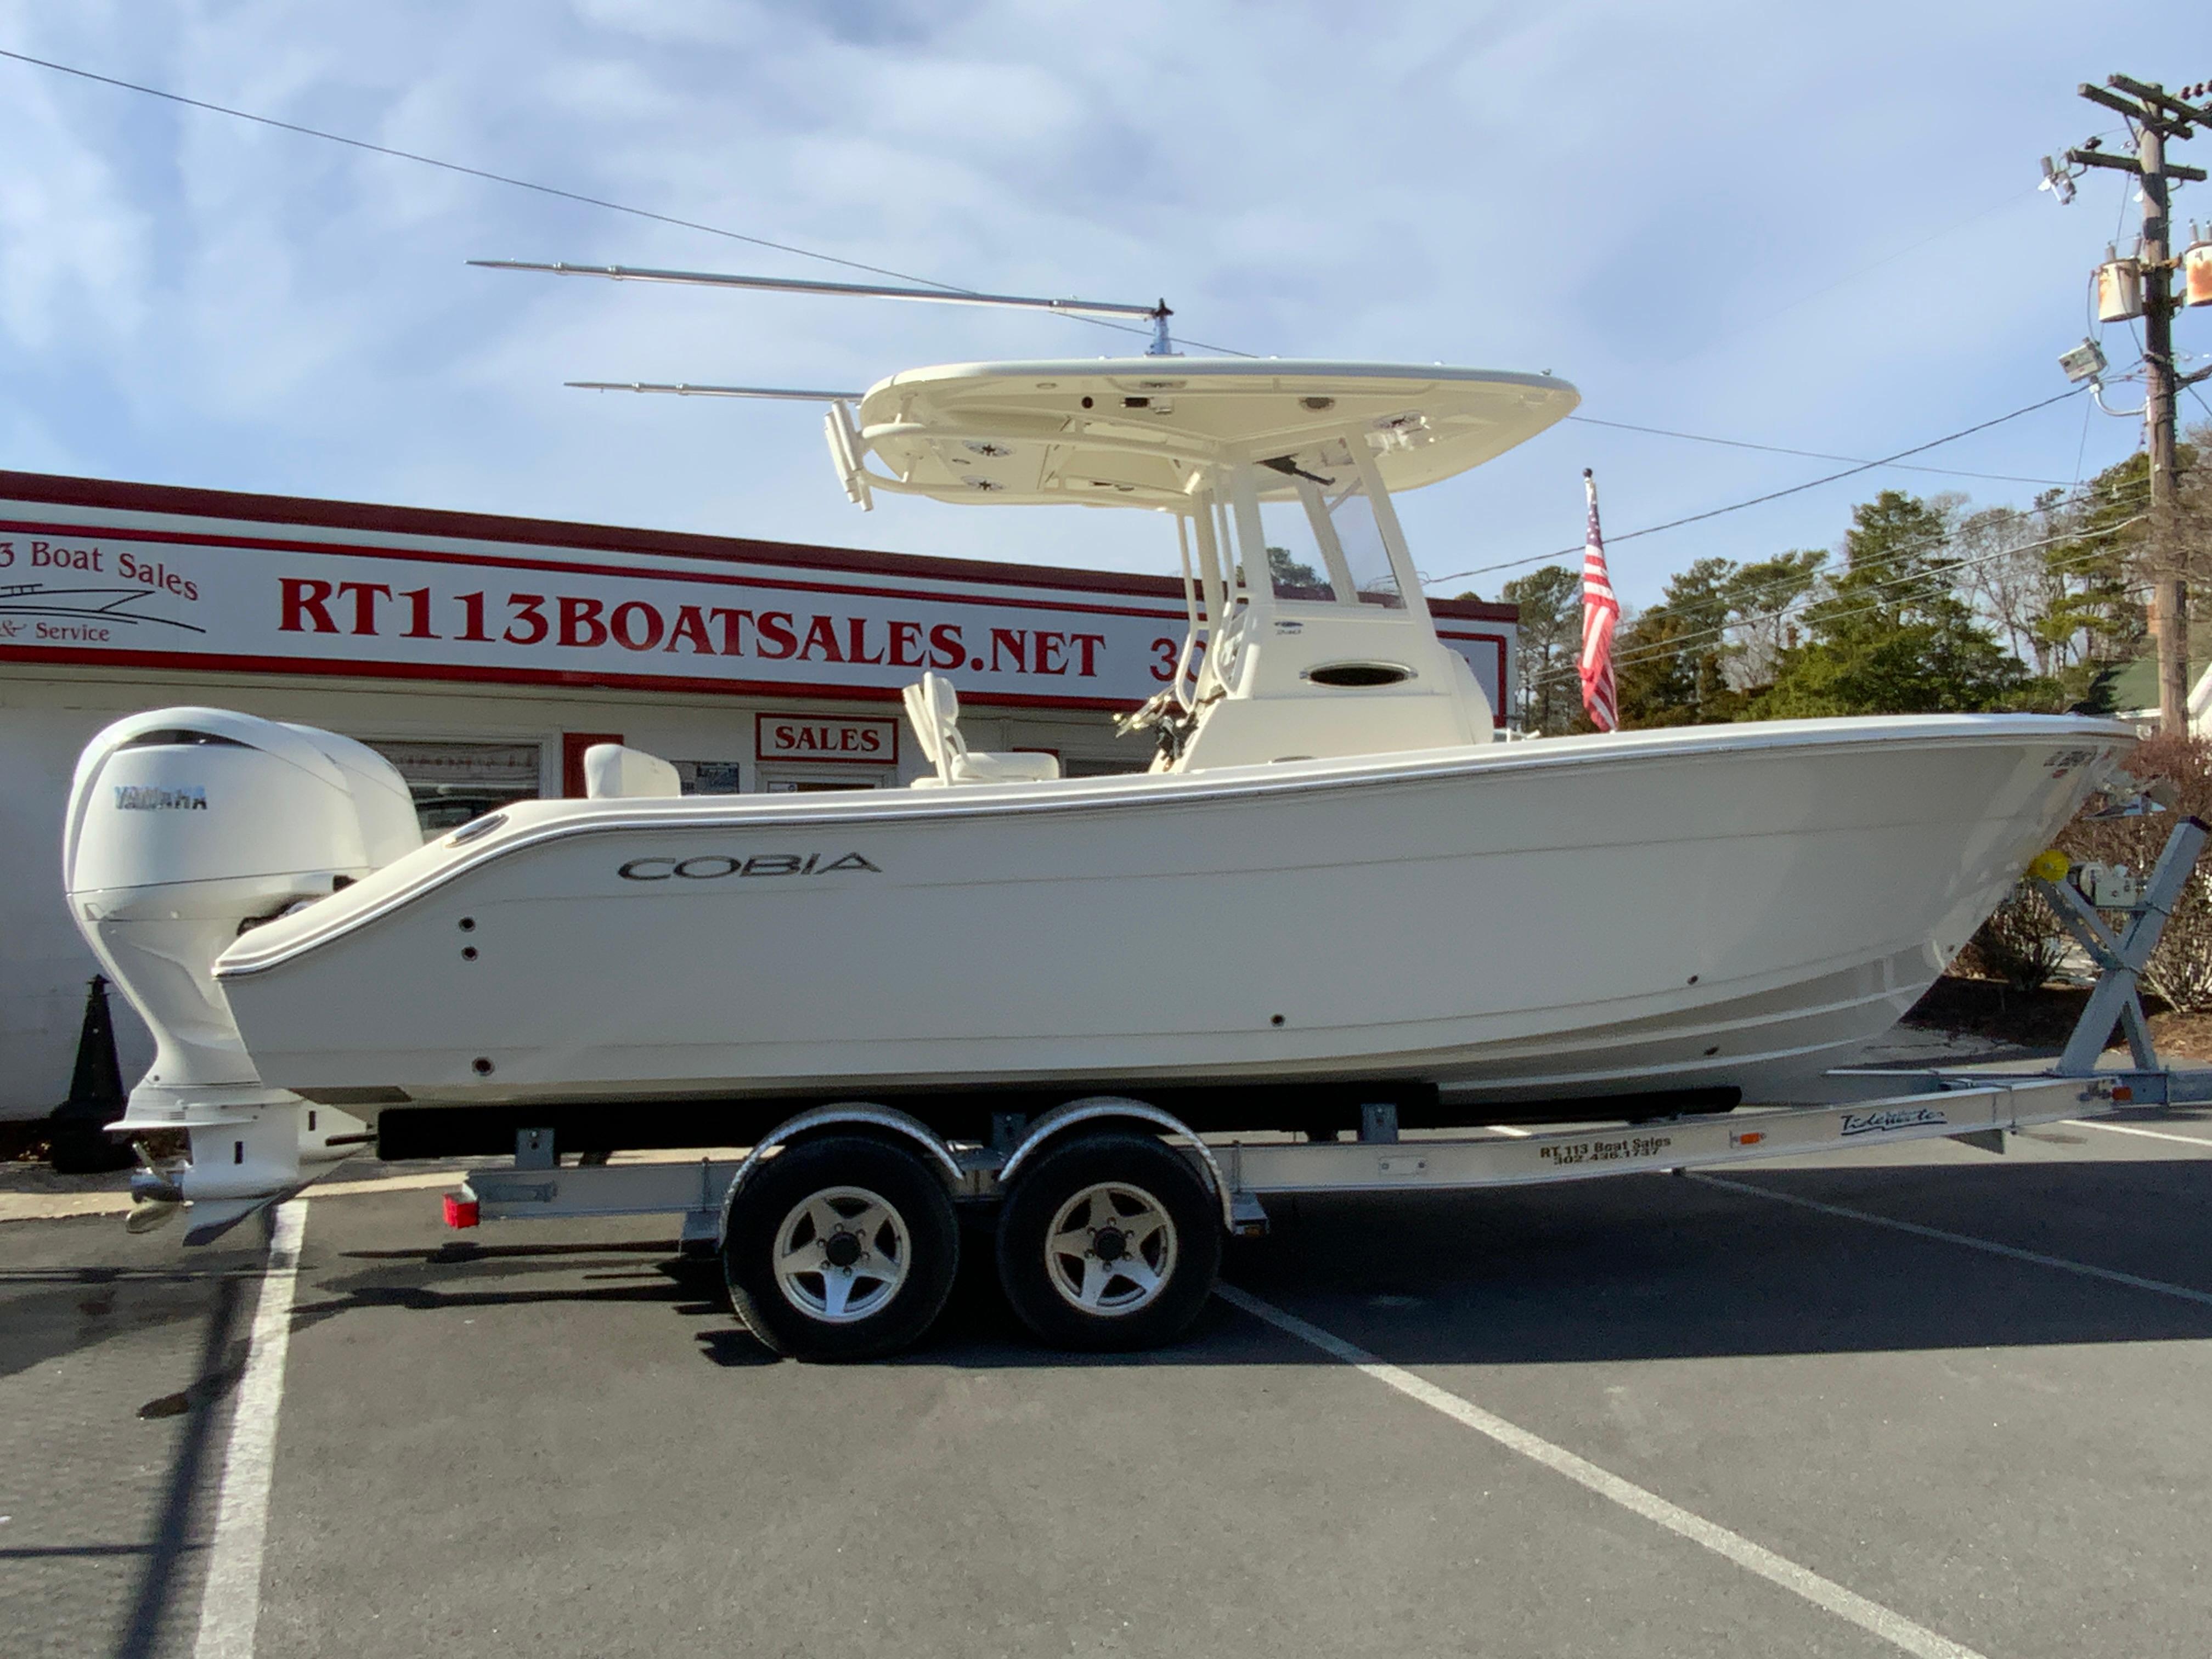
(155, 1198)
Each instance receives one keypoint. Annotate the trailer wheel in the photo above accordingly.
(840, 1249)
(1111, 1242)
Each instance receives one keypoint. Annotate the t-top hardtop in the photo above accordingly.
(1141, 431)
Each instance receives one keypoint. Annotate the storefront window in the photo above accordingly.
(453, 782)
(710, 777)
(818, 777)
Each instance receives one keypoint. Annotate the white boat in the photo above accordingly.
(1335, 885)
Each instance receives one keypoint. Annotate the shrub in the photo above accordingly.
(2020, 943)
(2023, 943)
(2180, 969)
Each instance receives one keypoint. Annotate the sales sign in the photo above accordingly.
(824, 737)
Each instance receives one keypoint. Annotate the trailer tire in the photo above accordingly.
(1156, 1217)
(806, 1230)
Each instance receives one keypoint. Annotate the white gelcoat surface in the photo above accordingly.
(1575, 915)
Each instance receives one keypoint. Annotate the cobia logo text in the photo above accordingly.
(711, 866)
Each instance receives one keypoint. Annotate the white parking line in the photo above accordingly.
(231, 1603)
(1988, 1246)
(1871, 1616)
(1776, 1569)
(2201, 1144)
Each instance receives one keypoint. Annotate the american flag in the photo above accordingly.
(1601, 616)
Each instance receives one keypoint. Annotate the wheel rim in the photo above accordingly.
(841, 1254)
(1110, 1251)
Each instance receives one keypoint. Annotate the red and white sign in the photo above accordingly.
(80, 591)
(305, 587)
(825, 738)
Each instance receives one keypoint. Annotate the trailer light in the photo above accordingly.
(2122, 1093)
(461, 1211)
(1748, 1138)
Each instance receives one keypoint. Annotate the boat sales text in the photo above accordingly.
(311, 606)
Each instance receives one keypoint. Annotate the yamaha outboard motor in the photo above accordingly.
(186, 827)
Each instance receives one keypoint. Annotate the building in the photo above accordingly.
(483, 655)
(2130, 689)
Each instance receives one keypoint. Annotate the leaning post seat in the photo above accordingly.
(933, 707)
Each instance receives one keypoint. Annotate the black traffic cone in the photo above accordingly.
(76, 1130)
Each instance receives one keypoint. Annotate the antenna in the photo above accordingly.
(1161, 345)
(845, 445)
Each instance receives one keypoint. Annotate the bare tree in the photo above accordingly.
(1763, 597)
(2003, 574)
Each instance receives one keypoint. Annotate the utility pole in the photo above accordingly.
(2155, 115)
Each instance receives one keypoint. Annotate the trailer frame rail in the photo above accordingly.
(1977, 1107)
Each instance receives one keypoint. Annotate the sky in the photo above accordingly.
(1813, 227)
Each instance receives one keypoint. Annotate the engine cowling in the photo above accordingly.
(186, 828)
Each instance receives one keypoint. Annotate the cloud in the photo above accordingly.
(1675, 208)
(74, 247)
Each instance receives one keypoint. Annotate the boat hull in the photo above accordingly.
(1729, 908)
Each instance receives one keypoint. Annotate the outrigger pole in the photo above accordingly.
(685, 389)
(1158, 313)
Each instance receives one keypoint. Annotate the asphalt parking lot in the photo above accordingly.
(1924, 1399)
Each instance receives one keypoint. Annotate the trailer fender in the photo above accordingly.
(888, 1122)
(1056, 1124)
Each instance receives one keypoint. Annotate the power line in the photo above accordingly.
(1770, 496)
(457, 166)
(2154, 116)
(1941, 574)
(2081, 449)
(1809, 454)
(581, 197)
(554, 190)
(1666, 648)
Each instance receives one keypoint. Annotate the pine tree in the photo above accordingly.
(1549, 695)
(1293, 578)
(1670, 664)
(2090, 618)
(1892, 635)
